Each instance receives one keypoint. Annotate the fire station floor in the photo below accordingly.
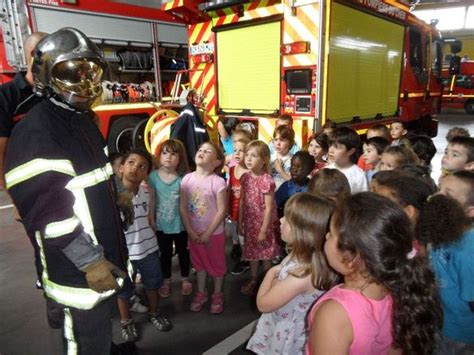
(23, 325)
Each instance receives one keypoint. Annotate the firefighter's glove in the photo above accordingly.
(100, 276)
(124, 201)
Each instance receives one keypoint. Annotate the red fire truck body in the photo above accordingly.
(458, 91)
(354, 62)
(141, 42)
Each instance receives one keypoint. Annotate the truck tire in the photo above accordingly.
(469, 107)
(120, 138)
(138, 137)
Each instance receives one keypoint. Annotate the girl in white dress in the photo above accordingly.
(289, 289)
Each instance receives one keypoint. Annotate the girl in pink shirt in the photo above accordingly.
(203, 206)
(388, 302)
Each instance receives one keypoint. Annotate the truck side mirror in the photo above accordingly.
(455, 65)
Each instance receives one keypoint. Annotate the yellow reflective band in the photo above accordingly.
(130, 269)
(80, 298)
(106, 151)
(91, 178)
(81, 209)
(71, 343)
(36, 167)
(414, 94)
(58, 229)
(44, 275)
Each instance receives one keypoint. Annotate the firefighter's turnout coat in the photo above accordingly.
(58, 176)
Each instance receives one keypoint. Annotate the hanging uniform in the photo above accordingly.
(190, 130)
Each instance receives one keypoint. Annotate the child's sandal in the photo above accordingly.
(249, 287)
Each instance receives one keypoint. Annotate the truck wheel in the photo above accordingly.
(139, 135)
(120, 137)
(469, 107)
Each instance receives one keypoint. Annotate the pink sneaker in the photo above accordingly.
(217, 303)
(186, 288)
(199, 299)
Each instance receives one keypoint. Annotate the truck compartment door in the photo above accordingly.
(365, 58)
(248, 68)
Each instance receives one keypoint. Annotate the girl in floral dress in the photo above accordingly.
(289, 289)
(258, 219)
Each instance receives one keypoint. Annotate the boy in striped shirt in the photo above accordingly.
(142, 245)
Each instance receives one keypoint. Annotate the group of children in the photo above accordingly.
(362, 272)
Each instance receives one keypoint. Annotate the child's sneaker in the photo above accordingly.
(217, 303)
(128, 330)
(165, 290)
(198, 301)
(241, 267)
(160, 322)
(186, 288)
(137, 307)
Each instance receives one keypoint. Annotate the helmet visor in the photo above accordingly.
(79, 76)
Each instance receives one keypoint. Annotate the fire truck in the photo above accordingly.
(355, 63)
(459, 88)
(145, 48)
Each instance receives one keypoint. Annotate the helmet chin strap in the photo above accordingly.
(59, 101)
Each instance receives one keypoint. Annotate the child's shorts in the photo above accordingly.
(150, 270)
(209, 257)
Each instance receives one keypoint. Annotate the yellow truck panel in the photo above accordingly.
(365, 59)
(248, 68)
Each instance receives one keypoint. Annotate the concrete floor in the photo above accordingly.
(23, 327)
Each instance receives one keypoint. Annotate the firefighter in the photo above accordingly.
(189, 128)
(17, 98)
(58, 176)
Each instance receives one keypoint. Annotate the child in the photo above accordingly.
(329, 128)
(342, 155)
(373, 149)
(459, 155)
(330, 183)
(394, 157)
(457, 131)
(318, 147)
(142, 245)
(284, 139)
(235, 174)
(116, 160)
(453, 265)
(258, 218)
(289, 289)
(203, 207)
(301, 165)
(283, 120)
(388, 300)
(225, 126)
(165, 185)
(424, 149)
(377, 130)
(398, 133)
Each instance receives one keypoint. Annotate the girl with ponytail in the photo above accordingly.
(289, 289)
(388, 302)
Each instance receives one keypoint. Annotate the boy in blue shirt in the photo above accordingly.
(302, 164)
(453, 265)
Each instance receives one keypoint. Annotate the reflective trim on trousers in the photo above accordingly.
(71, 344)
